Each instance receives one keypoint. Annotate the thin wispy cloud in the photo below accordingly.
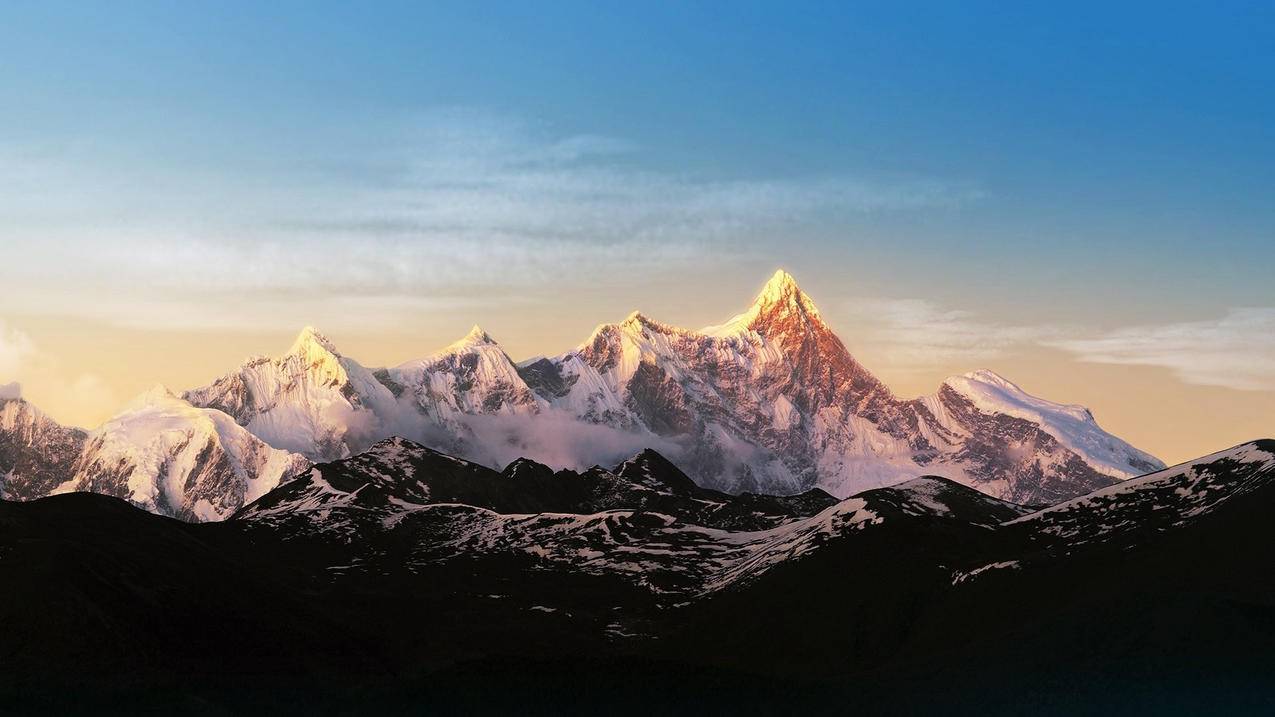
(15, 350)
(446, 204)
(919, 335)
(1234, 351)
(23, 364)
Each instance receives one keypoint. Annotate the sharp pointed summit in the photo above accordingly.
(311, 341)
(779, 288)
(470, 376)
(475, 337)
(781, 298)
(780, 304)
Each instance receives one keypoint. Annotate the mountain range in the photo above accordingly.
(770, 402)
(404, 578)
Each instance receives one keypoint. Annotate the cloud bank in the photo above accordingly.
(15, 349)
(1234, 351)
(559, 441)
(917, 335)
(22, 364)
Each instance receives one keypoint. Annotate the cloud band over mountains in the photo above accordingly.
(1234, 351)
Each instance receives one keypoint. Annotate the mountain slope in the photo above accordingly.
(1156, 502)
(36, 453)
(397, 476)
(174, 459)
(363, 585)
(1151, 593)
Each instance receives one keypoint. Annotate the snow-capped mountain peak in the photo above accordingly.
(315, 354)
(780, 304)
(1072, 425)
(168, 456)
(988, 388)
(632, 331)
(310, 342)
(477, 341)
(475, 337)
(471, 376)
(782, 290)
(638, 324)
(636, 319)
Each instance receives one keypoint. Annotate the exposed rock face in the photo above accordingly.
(36, 453)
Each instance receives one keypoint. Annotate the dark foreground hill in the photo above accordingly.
(404, 580)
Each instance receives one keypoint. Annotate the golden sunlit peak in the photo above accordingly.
(781, 277)
(780, 285)
(475, 337)
(780, 293)
(310, 339)
(476, 333)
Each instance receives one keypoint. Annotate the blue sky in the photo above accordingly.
(1088, 178)
(1097, 138)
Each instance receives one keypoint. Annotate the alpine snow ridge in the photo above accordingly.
(169, 457)
(770, 401)
(159, 453)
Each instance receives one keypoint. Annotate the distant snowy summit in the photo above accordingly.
(159, 453)
(768, 402)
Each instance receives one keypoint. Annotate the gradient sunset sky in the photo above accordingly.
(1080, 197)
